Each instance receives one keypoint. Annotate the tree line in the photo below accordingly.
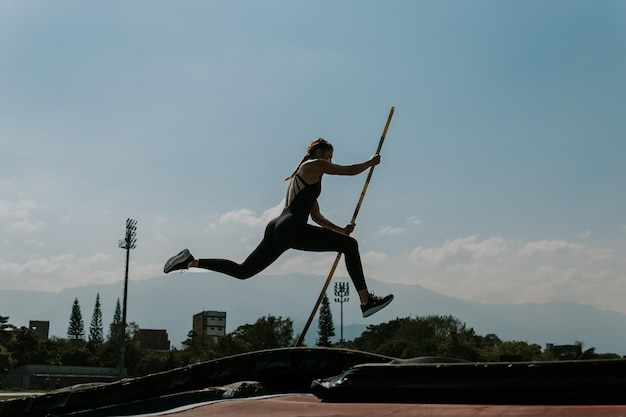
(402, 338)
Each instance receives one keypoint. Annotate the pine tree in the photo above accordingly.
(96, 332)
(117, 316)
(76, 329)
(326, 328)
(115, 328)
(5, 327)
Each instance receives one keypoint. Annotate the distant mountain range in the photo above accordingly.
(169, 302)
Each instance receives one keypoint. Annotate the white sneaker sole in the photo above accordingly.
(376, 309)
(175, 260)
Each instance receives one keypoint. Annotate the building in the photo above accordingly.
(210, 323)
(151, 339)
(40, 329)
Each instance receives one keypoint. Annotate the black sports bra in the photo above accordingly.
(301, 196)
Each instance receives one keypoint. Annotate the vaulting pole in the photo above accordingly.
(338, 258)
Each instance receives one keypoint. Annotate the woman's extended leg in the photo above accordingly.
(263, 256)
(316, 239)
(311, 238)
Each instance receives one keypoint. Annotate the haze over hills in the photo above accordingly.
(169, 302)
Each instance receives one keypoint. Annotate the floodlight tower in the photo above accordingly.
(342, 291)
(129, 242)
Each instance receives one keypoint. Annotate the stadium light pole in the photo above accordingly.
(129, 242)
(342, 291)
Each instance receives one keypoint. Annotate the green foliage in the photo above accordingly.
(431, 336)
(6, 359)
(152, 362)
(200, 348)
(441, 336)
(108, 352)
(76, 353)
(326, 328)
(117, 316)
(520, 349)
(76, 329)
(133, 351)
(400, 338)
(268, 332)
(229, 345)
(5, 330)
(115, 328)
(24, 347)
(96, 331)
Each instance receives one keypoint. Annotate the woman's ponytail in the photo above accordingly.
(318, 143)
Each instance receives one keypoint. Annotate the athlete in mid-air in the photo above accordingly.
(291, 230)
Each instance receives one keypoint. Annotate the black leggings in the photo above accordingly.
(289, 232)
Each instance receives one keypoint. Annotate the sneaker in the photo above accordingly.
(178, 261)
(375, 303)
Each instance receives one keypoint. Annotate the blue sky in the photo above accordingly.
(502, 177)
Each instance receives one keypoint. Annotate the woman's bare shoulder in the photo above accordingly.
(311, 170)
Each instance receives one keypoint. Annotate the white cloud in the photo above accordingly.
(373, 258)
(548, 246)
(460, 249)
(561, 247)
(211, 226)
(247, 217)
(48, 265)
(296, 264)
(244, 216)
(9, 270)
(25, 227)
(413, 220)
(308, 262)
(53, 273)
(421, 255)
(273, 212)
(389, 230)
(505, 270)
(19, 209)
(490, 248)
(469, 249)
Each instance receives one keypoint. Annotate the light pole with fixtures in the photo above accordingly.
(129, 242)
(342, 291)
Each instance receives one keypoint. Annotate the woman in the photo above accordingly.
(290, 230)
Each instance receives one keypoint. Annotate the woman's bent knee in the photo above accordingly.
(352, 244)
